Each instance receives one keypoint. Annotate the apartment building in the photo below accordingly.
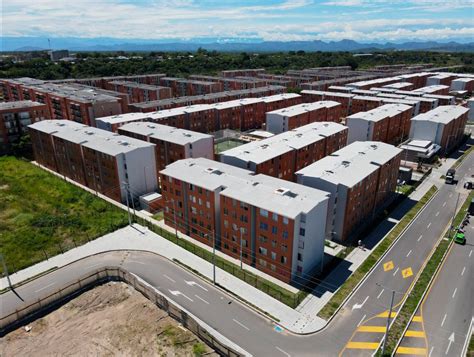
(98, 159)
(248, 72)
(139, 92)
(187, 87)
(281, 120)
(284, 154)
(279, 101)
(232, 83)
(433, 89)
(443, 126)
(15, 118)
(277, 226)
(389, 123)
(361, 179)
(344, 99)
(171, 144)
(441, 79)
(463, 84)
(206, 99)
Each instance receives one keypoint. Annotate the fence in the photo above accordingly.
(214, 339)
(275, 291)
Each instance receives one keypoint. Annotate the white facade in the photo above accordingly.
(470, 105)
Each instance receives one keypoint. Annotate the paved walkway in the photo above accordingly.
(303, 319)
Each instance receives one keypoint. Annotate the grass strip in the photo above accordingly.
(411, 303)
(462, 157)
(349, 285)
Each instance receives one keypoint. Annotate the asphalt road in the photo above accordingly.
(356, 330)
(443, 321)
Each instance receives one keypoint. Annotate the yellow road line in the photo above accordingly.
(411, 351)
(418, 319)
(412, 333)
(372, 329)
(385, 314)
(363, 345)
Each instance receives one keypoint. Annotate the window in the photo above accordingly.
(263, 212)
(274, 230)
(263, 239)
(263, 226)
(284, 248)
(303, 218)
(274, 243)
(285, 234)
(226, 211)
(200, 202)
(302, 232)
(191, 187)
(301, 244)
(299, 269)
(262, 251)
(226, 223)
(243, 218)
(244, 243)
(262, 262)
(283, 259)
(234, 226)
(274, 256)
(208, 204)
(285, 220)
(275, 217)
(193, 210)
(300, 257)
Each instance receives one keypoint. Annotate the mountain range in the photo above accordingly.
(226, 45)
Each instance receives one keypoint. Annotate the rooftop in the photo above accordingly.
(266, 149)
(380, 113)
(351, 164)
(19, 105)
(442, 114)
(303, 108)
(282, 197)
(165, 132)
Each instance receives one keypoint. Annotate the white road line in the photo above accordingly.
(470, 253)
(167, 277)
(428, 226)
(455, 290)
(409, 253)
(395, 272)
(431, 351)
(363, 318)
(463, 270)
(450, 195)
(380, 293)
(44, 287)
(437, 214)
(358, 306)
(200, 298)
(444, 319)
(419, 238)
(241, 324)
(444, 204)
(284, 352)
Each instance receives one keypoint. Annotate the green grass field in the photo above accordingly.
(227, 145)
(42, 215)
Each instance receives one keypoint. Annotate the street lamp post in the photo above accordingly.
(454, 215)
(241, 229)
(213, 255)
(128, 207)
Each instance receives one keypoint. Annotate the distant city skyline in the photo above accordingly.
(231, 20)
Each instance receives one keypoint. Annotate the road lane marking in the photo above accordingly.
(176, 293)
(411, 351)
(388, 266)
(200, 298)
(431, 351)
(470, 253)
(444, 204)
(463, 270)
(437, 214)
(363, 345)
(385, 314)
(193, 283)
(381, 329)
(444, 319)
(413, 333)
(396, 271)
(358, 306)
(44, 287)
(429, 225)
(451, 340)
(406, 273)
(417, 319)
(455, 290)
(450, 195)
(419, 238)
(380, 293)
(241, 324)
(284, 352)
(409, 253)
(167, 277)
(362, 319)
(134, 261)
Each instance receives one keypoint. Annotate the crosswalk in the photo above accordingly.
(414, 340)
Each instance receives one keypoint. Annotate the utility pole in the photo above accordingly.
(213, 257)
(175, 222)
(454, 215)
(388, 322)
(128, 207)
(6, 271)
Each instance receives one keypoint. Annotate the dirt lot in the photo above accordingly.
(110, 320)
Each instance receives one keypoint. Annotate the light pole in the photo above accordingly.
(384, 343)
(454, 215)
(213, 256)
(241, 229)
(174, 218)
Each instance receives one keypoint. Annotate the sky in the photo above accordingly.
(231, 20)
